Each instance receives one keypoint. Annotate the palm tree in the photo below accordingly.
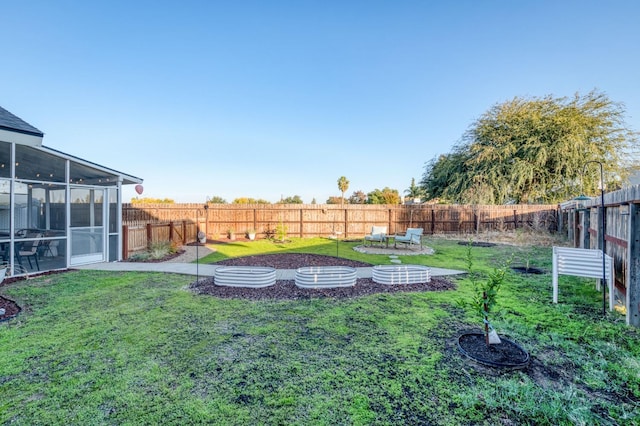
(414, 191)
(343, 185)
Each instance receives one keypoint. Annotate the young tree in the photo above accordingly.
(343, 185)
(534, 151)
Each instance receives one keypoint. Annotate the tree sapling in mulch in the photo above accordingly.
(484, 299)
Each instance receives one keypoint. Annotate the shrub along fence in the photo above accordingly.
(145, 223)
(583, 226)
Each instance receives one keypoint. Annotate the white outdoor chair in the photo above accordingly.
(378, 235)
(412, 237)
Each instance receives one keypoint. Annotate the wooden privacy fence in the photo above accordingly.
(311, 220)
(139, 236)
(621, 239)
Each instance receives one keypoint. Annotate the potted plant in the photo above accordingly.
(231, 234)
(251, 234)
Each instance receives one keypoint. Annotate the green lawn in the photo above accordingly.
(139, 348)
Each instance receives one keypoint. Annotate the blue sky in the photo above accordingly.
(266, 99)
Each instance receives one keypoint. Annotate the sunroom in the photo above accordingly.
(56, 210)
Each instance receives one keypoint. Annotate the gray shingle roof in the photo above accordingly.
(10, 122)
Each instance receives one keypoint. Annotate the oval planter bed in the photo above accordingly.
(401, 274)
(245, 276)
(325, 276)
(507, 354)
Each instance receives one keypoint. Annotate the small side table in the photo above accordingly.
(389, 238)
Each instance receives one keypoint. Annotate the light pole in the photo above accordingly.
(603, 222)
(200, 236)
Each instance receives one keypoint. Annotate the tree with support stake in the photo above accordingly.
(485, 295)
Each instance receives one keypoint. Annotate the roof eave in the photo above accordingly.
(22, 138)
(125, 178)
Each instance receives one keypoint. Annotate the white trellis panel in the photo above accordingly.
(581, 263)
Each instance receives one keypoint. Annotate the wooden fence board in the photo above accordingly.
(308, 220)
(621, 239)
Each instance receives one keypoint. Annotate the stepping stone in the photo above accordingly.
(393, 256)
(396, 261)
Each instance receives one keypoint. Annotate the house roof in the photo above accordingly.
(15, 129)
(12, 123)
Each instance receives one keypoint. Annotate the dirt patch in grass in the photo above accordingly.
(521, 237)
(11, 309)
(476, 243)
(528, 270)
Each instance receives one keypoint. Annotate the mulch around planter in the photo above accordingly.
(506, 354)
(287, 290)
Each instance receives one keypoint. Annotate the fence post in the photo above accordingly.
(601, 230)
(184, 232)
(633, 267)
(571, 226)
(433, 221)
(515, 219)
(560, 220)
(346, 223)
(149, 234)
(125, 242)
(171, 228)
(301, 223)
(586, 224)
(255, 220)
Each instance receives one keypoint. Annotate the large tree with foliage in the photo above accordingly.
(216, 200)
(358, 197)
(249, 200)
(535, 151)
(384, 196)
(334, 200)
(414, 191)
(291, 200)
(148, 200)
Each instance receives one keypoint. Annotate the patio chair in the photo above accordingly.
(29, 249)
(412, 237)
(378, 234)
